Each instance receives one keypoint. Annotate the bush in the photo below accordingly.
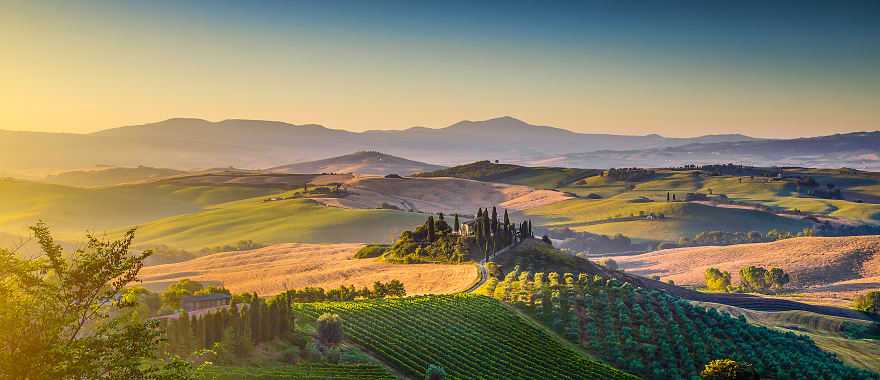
(371, 250)
(329, 329)
(726, 369)
(868, 302)
(609, 264)
(435, 372)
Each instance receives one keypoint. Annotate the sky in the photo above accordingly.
(676, 68)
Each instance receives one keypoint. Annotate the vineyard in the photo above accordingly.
(302, 372)
(659, 336)
(471, 337)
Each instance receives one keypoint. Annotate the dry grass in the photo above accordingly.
(440, 194)
(831, 269)
(275, 268)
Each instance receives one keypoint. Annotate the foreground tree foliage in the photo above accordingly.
(61, 315)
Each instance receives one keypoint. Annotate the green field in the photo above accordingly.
(471, 337)
(71, 211)
(537, 177)
(190, 216)
(292, 220)
(616, 215)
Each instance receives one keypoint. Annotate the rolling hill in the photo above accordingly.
(632, 218)
(440, 194)
(109, 176)
(283, 221)
(539, 177)
(824, 269)
(274, 269)
(369, 163)
(71, 211)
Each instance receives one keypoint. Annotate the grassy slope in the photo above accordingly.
(782, 194)
(499, 343)
(682, 219)
(109, 176)
(537, 177)
(299, 220)
(71, 211)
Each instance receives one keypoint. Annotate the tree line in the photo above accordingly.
(752, 279)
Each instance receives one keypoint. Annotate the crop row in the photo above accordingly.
(471, 337)
(657, 335)
(303, 372)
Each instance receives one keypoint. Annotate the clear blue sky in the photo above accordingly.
(773, 69)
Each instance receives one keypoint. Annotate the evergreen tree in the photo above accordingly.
(456, 225)
(430, 228)
(494, 221)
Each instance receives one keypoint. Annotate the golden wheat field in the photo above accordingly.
(273, 269)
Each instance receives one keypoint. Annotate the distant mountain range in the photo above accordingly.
(194, 143)
(374, 163)
(859, 150)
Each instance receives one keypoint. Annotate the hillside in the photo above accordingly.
(441, 194)
(657, 335)
(269, 222)
(412, 333)
(824, 268)
(186, 143)
(71, 211)
(540, 177)
(274, 269)
(369, 163)
(632, 217)
(109, 176)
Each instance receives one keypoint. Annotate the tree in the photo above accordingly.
(435, 372)
(717, 280)
(172, 295)
(61, 314)
(457, 224)
(609, 264)
(727, 369)
(753, 278)
(432, 234)
(329, 329)
(868, 302)
(776, 278)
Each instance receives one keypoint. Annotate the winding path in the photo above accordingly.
(484, 272)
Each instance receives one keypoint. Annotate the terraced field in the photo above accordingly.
(470, 336)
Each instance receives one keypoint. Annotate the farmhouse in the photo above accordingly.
(190, 303)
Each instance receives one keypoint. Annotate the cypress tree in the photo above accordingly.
(456, 224)
(494, 221)
(430, 225)
(506, 220)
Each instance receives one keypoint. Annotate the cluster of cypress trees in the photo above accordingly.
(493, 235)
(236, 329)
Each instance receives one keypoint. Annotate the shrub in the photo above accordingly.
(435, 372)
(868, 302)
(726, 369)
(609, 264)
(371, 250)
(329, 329)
